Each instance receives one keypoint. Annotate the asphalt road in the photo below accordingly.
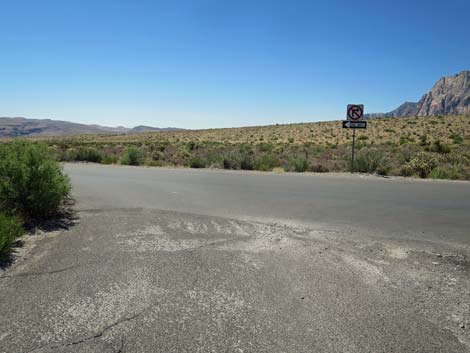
(409, 209)
(161, 260)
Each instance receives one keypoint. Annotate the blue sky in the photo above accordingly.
(215, 63)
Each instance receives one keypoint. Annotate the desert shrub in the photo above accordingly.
(448, 172)
(363, 138)
(88, 154)
(69, 155)
(371, 160)
(406, 153)
(197, 162)
(267, 162)
(247, 162)
(132, 156)
(458, 158)
(10, 229)
(107, 159)
(265, 147)
(423, 140)
(158, 155)
(32, 182)
(149, 162)
(230, 163)
(298, 165)
(439, 173)
(440, 147)
(319, 168)
(422, 164)
(192, 146)
(456, 139)
(407, 170)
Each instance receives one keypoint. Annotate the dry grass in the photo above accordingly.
(435, 147)
(380, 131)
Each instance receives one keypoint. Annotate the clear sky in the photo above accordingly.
(222, 63)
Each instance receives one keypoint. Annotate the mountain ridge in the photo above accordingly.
(450, 95)
(24, 127)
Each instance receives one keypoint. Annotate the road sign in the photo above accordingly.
(354, 124)
(355, 112)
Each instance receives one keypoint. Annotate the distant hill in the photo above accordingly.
(143, 128)
(17, 127)
(449, 96)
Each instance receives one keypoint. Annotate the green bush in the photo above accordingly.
(10, 229)
(453, 173)
(32, 182)
(267, 163)
(406, 153)
(456, 139)
(422, 164)
(149, 162)
(407, 170)
(265, 147)
(83, 154)
(319, 168)
(439, 173)
(89, 154)
(423, 140)
(440, 147)
(371, 160)
(132, 156)
(229, 163)
(247, 163)
(197, 162)
(107, 159)
(69, 155)
(298, 165)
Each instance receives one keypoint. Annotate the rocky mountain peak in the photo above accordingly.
(449, 96)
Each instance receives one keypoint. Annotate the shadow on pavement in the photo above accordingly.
(65, 219)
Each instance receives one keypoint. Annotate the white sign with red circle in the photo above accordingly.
(355, 112)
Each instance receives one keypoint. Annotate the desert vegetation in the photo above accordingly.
(32, 188)
(411, 130)
(425, 147)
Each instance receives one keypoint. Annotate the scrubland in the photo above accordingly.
(436, 147)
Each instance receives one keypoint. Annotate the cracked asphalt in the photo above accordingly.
(161, 260)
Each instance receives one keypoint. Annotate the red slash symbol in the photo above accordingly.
(355, 112)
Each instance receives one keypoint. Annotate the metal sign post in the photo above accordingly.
(355, 113)
(352, 156)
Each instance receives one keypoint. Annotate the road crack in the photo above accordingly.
(28, 274)
(89, 338)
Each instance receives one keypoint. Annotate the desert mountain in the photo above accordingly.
(449, 96)
(15, 127)
(143, 128)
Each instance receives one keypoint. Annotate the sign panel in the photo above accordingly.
(355, 112)
(354, 124)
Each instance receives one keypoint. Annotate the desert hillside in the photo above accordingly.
(380, 131)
